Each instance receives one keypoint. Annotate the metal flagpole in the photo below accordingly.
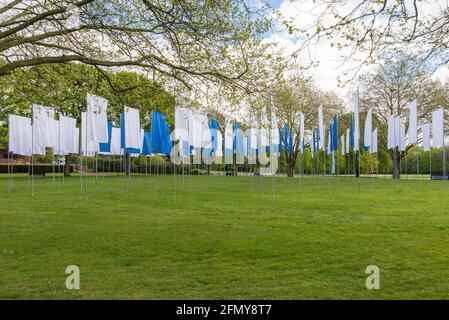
(32, 152)
(359, 169)
(444, 158)
(272, 174)
(377, 165)
(190, 172)
(63, 171)
(86, 150)
(12, 171)
(272, 148)
(80, 172)
(59, 176)
(146, 165)
(417, 170)
(299, 170)
(347, 164)
(120, 170)
(406, 169)
(96, 168)
(430, 163)
(53, 166)
(198, 176)
(324, 161)
(29, 171)
(9, 173)
(125, 168)
(174, 181)
(302, 165)
(150, 180)
(354, 155)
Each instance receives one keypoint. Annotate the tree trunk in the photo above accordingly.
(356, 162)
(128, 164)
(68, 158)
(396, 157)
(291, 164)
(290, 171)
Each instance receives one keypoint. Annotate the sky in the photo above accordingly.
(330, 62)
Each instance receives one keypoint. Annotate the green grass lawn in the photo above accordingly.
(224, 238)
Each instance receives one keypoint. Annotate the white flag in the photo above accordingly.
(413, 123)
(301, 132)
(425, 128)
(321, 128)
(342, 139)
(437, 128)
(402, 138)
(312, 144)
(356, 122)
(368, 129)
(19, 135)
(67, 130)
(181, 125)
(219, 151)
(88, 148)
(397, 132)
(96, 119)
(391, 131)
(53, 135)
(228, 137)
(42, 116)
(115, 142)
(373, 148)
(347, 141)
(132, 128)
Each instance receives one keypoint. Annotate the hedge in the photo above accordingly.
(38, 168)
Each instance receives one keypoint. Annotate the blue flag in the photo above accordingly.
(238, 139)
(335, 134)
(351, 133)
(122, 137)
(213, 126)
(160, 134)
(106, 147)
(147, 148)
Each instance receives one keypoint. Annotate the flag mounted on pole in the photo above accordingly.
(335, 134)
(356, 121)
(301, 132)
(413, 123)
(321, 128)
(368, 130)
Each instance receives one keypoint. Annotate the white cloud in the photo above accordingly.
(442, 74)
(331, 63)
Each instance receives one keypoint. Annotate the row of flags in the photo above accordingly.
(31, 136)
(398, 138)
(194, 131)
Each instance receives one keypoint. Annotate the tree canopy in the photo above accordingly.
(187, 41)
(65, 86)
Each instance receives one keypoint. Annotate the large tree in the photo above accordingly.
(296, 95)
(390, 89)
(364, 30)
(64, 87)
(188, 41)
